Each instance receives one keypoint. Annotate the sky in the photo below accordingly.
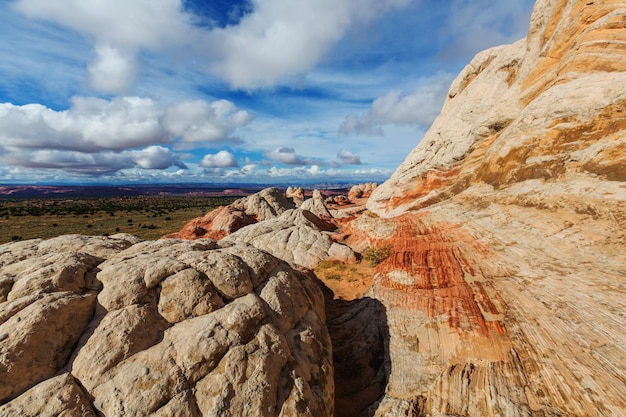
(240, 91)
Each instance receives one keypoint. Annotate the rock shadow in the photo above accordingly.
(360, 337)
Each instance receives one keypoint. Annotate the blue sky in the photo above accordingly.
(245, 91)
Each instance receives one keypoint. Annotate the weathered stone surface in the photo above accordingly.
(298, 237)
(50, 273)
(504, 287)
(360, 191)
(296, 194)
(542, 108)
(175, 322)
(58, 396)
(98, 246)
(265, 204)
(316, 205)
(38, 340)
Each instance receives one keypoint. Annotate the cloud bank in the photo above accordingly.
(418, 108)
(286, 37)
(96, 136)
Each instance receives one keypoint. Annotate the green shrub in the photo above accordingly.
(376, 255)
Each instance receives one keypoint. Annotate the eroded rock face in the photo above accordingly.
(296, 194)
(316, 205)
(298, 237)
(162, 328)
(503, 290)
(542, 108)
(265, 204)
(360, 191)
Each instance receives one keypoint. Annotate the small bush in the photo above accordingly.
(376, 255)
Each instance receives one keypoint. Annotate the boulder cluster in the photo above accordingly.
(112, 326)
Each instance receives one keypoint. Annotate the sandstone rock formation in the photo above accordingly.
(298, 237)
(159, 328)
(504, 292)
(316, 205)
(542, 108)
(361, 191)
(296, 194)
(265, 204)
(269, 221)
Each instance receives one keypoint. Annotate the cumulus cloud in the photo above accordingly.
(277, 38)
(286, 156)
(281, 38)
(70, 161)
(156, 157)
(199, 121)
(93, 124)
(349, 158)
(120, 28)
(419, 108)
(99, 163)
(222, 159)
(104, 135)
(114, 69)
(360, 125)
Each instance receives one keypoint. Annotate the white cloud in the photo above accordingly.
(286, 37)
(120, 28)
(156, 157)
(70, 161)
(93, 124)
(222, 159)
(419, 108)
(114, 69)
(278, 39)
(285, 155)
(199, 121)
(100, 136)
(349, 158)
(360, 125)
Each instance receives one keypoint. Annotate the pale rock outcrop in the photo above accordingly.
(58, 396)
(298, 237)
(48, 292)
(265, 204)
(316, 205)
(503, 289)
(542, 108)
(167, 327)
(361, 191)
(296, 194)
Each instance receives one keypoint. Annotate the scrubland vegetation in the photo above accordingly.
(148, 217)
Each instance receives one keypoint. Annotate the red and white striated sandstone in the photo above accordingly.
(505, 290)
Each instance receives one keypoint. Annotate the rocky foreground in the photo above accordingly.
(500, 289)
